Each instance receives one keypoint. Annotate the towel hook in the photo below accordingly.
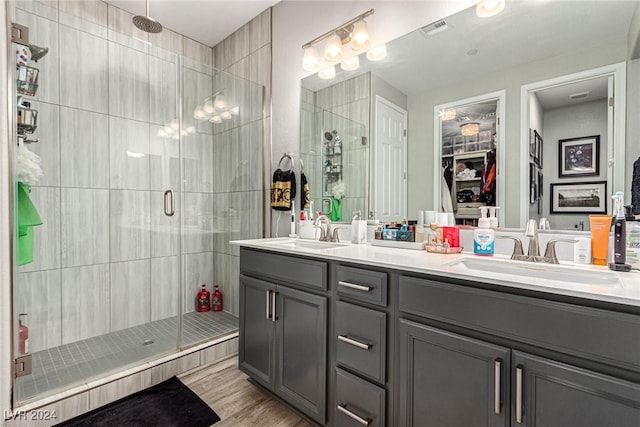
(301, 166)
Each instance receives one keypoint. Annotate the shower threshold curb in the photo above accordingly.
(30, 405)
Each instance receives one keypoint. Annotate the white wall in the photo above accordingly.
(421, 110)
(585, 119)
(296, 23)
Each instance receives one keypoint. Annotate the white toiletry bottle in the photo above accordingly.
(483, 238)
(582, 251)
(358, 229)
(493, 219)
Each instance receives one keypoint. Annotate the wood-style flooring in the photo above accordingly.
(238, 402)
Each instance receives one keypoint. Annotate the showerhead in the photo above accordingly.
(147, 23)
(38, 52)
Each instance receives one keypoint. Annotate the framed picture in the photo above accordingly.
(533, 190)
(532, 144)
(579, 156)
(538, 144)
(580, 197)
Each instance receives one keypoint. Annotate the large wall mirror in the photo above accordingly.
(561, 73)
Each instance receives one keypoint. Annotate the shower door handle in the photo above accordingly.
(169, 203)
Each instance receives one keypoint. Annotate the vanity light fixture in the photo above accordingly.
(225, 115)
(360, 37)
(449, 114)
(208, 107)
(378, 53)
(327, 73)
(489, 8)
(311, 59)
(470, 129)
(220, 102)
(350, 64)
(235, 111)
(333, 49)
(199, 113)
(215, 119)
(354, 32)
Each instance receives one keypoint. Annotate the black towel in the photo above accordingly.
(306, 193)
(283, 189)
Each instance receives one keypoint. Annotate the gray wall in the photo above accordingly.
(421, 106)
(239, 153)
(585, 119)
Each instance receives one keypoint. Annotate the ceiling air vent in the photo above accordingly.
(435, 28)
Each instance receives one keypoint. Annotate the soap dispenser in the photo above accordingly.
(493, 219)
(358, 229)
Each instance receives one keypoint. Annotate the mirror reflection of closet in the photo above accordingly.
(469, 144)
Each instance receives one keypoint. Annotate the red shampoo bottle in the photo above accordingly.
(202, 301)
(216, 301)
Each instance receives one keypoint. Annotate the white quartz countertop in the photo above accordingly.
(582, 281)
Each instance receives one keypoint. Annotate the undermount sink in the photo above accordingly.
(305, 244)
(554, 272)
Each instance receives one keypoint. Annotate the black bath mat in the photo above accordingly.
(170, 404)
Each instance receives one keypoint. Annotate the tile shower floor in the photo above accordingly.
(75, 363)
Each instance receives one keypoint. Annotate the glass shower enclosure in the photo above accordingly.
(134, 167)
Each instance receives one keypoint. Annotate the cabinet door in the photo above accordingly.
(256, 347)
(554, 394)
(448, 380)
(301, 340)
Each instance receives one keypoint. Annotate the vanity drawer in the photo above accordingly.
(606, 336)
(358, 402)
(361, 340)
(284, 269)
(362, 285)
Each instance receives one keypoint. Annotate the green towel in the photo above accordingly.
(28, 217)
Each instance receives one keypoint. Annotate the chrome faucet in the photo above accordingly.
(325, 232)
(533, 253)
(532, 233)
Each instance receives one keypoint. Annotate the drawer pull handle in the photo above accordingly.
(365, 346)
(519, 395)
(267, 307)
(356, 287)
(274, 316)
(364, 421)
(496, 385)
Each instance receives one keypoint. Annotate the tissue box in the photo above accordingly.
(404, 236)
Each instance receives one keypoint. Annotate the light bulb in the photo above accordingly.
(333, 49)
(235, 111)
(225, 115)
(174, 125)
(327, 73)
(220, 103)
(199, 113)
(209, 108)
(191, 129)
(168, 130)
(215, 119)
(311, 59)
(350, 64)
(377, 53)
(162, 133)
(488, 8)
(360, 37)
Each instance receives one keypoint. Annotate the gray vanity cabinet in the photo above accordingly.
(550, 393)
(449, 380)
(283, 331)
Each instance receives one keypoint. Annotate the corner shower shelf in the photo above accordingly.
(27, 120)
(27, 81)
